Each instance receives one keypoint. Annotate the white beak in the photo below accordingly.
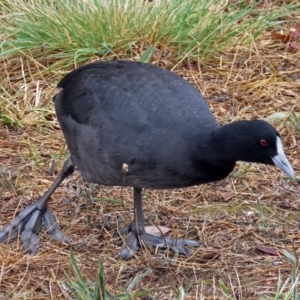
(281, 161)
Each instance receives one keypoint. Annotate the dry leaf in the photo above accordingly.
(290, 38)
(278, 36)
(268, 250)
(295, 32)
(226, 196)
(157, 230)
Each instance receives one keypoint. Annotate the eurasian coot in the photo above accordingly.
(134, 124)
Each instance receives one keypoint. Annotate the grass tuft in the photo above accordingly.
(86, 290)
(63, 33)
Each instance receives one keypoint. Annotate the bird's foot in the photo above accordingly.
(28, 223)
(122, 231)
(132, 244)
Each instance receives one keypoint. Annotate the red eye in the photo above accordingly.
(263, 143)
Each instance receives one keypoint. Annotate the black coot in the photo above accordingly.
(135, 124)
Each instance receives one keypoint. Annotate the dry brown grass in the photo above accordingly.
(246, 83)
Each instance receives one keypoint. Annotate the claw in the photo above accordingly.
(52, 228)
(11, 230)
(180, 247)
(28, 222)
(131, 245)
(29, 235)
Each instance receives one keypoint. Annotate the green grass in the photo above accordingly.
(82, 289)
(68, 32)
(295, 278)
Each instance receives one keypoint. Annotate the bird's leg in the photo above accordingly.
(29, 220)
(131, 245)
(138, 234)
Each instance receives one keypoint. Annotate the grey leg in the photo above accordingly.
(29, 220)
(138, 234)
